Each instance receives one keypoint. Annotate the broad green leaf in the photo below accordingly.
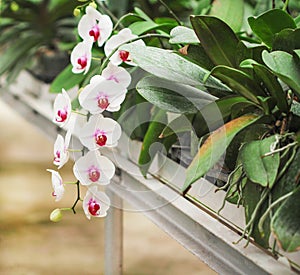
(143, 15)
(260, 169)
(214, 147)
(287, 40)
(252, 194)
(141, 27)
(169, 65)
(197, 55)
(17, 51)
(285, 66)
(134, 115)
(183, 35)
(271, 83)
(239, 82)
(230, 11)
(172, 96)
(253, 132)
(285, 224)
(217, 38)
(66, 79)
(153, 143)
(178, 125)
(215, 114)
(267, 25)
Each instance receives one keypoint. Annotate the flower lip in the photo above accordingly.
(94, 207)
(95, 203)
(95, 32)
(94, 173)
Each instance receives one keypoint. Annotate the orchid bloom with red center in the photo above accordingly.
(81, 57)
(93, 168)
(102, 94)
(95, 26)
(62, 108)
(125, 35)
(100, 132)
(95, 203)
(61, 153)
(57, 184)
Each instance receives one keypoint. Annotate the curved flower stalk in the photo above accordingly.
(104, 92)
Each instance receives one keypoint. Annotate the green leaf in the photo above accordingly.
(153, 143)
(172, 96)
(267, 25)
(230, 11)
(16, 52)
(215, 114)
(141, 27)
(183, 35)
(66, 79)
(217, 38)
(252, 194)
(285, 224)
(214, 147)
(287, 40)
(259, 168)
(285, 66)
(238, 82)
(177, 126)
(143, 15)
(134, 115)
(196, 54)
(271, 83)
(171, 66)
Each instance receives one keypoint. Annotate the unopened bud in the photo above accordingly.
(14, 6)
(93, 4)
(56, 215)
(76, 12)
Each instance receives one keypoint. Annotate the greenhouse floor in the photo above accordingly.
(31, 244)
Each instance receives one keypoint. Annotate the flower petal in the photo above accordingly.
(91, 163)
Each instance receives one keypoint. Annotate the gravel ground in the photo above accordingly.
(31, 244)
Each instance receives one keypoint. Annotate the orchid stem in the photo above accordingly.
(78, 113)
(124, 17)
(171, 12)
(286, 3)
(75, 150)
(77, 199)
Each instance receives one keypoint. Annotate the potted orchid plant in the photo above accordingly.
(36, 36)
(235, 91)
